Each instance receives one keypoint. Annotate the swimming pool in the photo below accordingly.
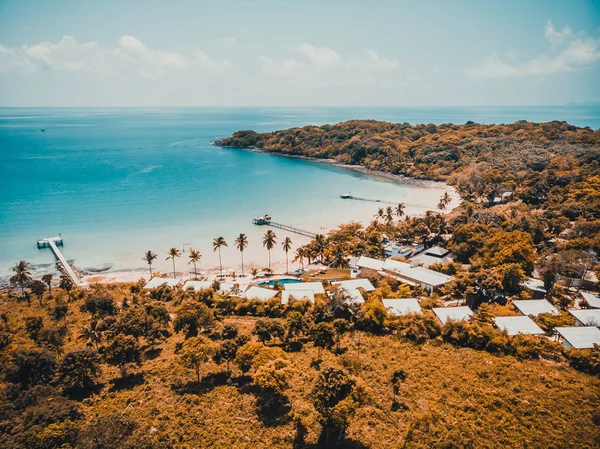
(279, 281)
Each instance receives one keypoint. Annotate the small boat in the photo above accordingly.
(346, 195)
(43, 130)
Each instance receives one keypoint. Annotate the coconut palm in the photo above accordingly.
(217, 244)
(299, 256)
(47, 279)
(173, 253)
(400, 210)
(149, 257)
(444, 201)
(91, 333)
(269, 241)
(241, 243)
(389, 214)
(195, 257)
(22, 275)
(380, 213)
(287, 245)
(320, 243)
(254, 272)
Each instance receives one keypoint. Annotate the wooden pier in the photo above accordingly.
(348, 196)
(266, 220)
(53, 243)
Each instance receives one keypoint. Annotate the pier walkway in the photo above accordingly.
(53, 243)
(266, 220)
(348, 196)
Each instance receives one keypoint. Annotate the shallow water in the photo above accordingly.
(117, 182)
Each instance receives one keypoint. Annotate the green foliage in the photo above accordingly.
(30, 366)
(99, 303)
(192, 317)
(273, 377)
(323, 336)
(417, 328)
(372, 316)
(79, 369)
(122, 351)
(268, 329)
(195, 352)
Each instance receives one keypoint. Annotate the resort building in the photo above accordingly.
(535, 307)
(402, 306)
(535, 287)
(580, 337)
(432, 256)
(416, 276)
(586, 317)
(304, 295)
(197, 285)
(233, 288)
(263, 294)
(406, 251)
(315, 287)
(514, 325)
(365, 284)
(462, 313)
(593, 299)
(369, 263)
(159, 282)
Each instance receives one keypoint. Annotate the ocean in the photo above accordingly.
(118, 182)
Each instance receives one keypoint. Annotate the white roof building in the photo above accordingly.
(514, 325)
(433, 255)
(316, 287)
(586, 317)
(402, 306)
(535, 285)
(297, 294)
(365, 284)
(535, 307)
(579, 337)
(354, 296)
(159, 282)
(426, 278)
(197, 285)
(593, 299)
(462, 313)
(233, 288)
(264, 294)
(370, 263)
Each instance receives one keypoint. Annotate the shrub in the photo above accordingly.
(416, 327)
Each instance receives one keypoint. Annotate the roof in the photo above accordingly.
(197, 285)
(535, 284)
(230, 287)
(452, 313)
(514, 325)
(419, 274)
(297, 294)
(263, 294)
(354, 295)
(427, 260)
(158, 282)
(402, 306)
(369, 262)
(535, 307)
(589, 317)
(593, 299)
(315, 287)
(365, 284)
(580, 337)
(437, 251)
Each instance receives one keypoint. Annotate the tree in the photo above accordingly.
(33, 326)
(269, 241)
(227, 352)
(66, 284)
(91, 334)
(398, 378)
(60, 311)
(323, 336)
(173, 253)
(510, 247)
(47, 279)
(241, 243)
(79, 368)
(400, 210)
(273, 379)
(299, 256)
(122, 351)
(31, 366)
(195, 257)
(38, 288)
(254, 272)
(268, 329)
(22, 275)
(192, 317)
(217, 244)
(444, 201)
(195, 352)
(149, 257)
(287, 245)
(320, 244)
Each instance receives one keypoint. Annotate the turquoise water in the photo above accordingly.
(117, 182)
(279, 281)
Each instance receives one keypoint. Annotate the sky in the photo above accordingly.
(298, 53)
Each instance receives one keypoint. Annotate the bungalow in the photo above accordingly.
(197, 285)
(444, 314)
(416, 276)
(579, 337)
(369, 263)
(316, 287)
(159, 282)
(432, 256)
(514, 325)
(586, 317)
(535, 307)
(535, 287)
(593, 299)
(365, 284)
(304, 295)
(402, 306)
(263, 294)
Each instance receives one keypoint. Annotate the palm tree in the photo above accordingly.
(299, 256)
(241, 243)
(66, 284)
(269, 241)
(91, 333)
(320, 244)
(217, 244)
(287, 245)
(389, 214)
(47, 279)
(149, 257)
(444, 201)
(22, 275)
(195, 257)
(254, 272)
(173, 253)
(400, 210)
(380, 213)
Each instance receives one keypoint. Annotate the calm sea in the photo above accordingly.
(117, 182)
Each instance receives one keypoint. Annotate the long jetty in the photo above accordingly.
(53, 243)
(347, 196)
(266, 220)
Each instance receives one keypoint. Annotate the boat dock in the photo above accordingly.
(266, 220)
(53, 243)
(348, 196)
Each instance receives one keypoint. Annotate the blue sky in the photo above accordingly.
(298, 53)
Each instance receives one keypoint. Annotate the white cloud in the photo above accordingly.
(129, 55)
(320, 57)
(228, 39)
(570, 53)
(280, 68)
